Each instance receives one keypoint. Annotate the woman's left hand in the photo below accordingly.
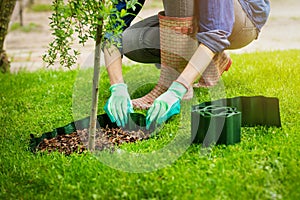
(166, 105)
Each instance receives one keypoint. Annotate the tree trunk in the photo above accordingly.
(95, 92)
(6, 8)
(21, 12)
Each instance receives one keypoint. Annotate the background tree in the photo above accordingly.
(87, 19)
(6, 9)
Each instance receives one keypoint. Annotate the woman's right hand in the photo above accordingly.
(119, 104)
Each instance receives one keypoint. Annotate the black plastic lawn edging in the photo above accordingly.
(136, 122)
(220, 121)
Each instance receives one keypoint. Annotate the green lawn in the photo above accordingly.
(265, 165)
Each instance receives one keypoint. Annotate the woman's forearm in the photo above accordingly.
(196, 66)
(113, 63)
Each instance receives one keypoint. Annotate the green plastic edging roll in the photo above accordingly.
(219, 121)
(256, 110)
(216, 124)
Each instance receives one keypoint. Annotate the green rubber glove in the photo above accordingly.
(166, 105)
(119, 104)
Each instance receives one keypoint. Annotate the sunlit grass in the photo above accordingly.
(25, 28)
(265, 165)
(41, 7)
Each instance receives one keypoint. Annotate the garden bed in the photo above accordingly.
(73, 138)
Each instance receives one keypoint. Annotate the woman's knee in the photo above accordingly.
(141, 41)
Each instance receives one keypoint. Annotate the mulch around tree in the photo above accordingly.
(77, 142)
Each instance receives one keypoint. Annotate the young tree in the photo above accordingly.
(6, 9)
(89, 19)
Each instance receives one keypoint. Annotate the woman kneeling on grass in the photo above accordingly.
(188, 40)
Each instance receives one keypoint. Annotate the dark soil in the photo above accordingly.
(77, 142)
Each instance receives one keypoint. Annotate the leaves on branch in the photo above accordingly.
(80, 19)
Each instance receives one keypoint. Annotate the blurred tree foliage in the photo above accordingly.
(81, 19)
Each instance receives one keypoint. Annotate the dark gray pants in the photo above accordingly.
(179, 8)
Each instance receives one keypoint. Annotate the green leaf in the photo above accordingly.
(123, 13)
